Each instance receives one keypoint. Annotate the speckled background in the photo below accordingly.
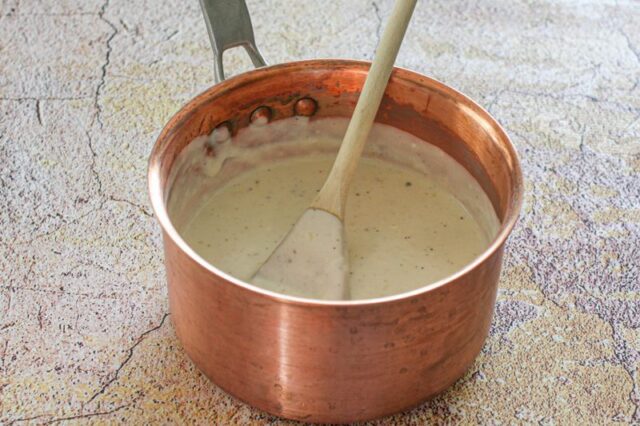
(86, 86)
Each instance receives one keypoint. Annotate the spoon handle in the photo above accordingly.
(332, 197)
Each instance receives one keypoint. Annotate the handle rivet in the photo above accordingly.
(261, 115)
(221, 133)
(306, 107)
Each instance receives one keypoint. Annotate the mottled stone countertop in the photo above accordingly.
(86, 86)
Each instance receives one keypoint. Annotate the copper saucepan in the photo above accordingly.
(332, 361)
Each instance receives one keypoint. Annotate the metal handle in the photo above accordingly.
(229, 25)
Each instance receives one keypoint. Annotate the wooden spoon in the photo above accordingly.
(311, 261)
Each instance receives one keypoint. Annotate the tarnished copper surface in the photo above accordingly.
(350, 360)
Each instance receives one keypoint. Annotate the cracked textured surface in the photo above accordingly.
(85, 87)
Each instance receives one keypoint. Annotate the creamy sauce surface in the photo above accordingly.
(234, 200)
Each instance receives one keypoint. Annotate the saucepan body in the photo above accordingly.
(342, 361)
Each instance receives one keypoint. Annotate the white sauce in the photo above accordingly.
(404, 227)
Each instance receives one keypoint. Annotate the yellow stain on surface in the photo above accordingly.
(611, 215)
(602, 191)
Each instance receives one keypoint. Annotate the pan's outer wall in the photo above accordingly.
(349, 361)
(329, 364)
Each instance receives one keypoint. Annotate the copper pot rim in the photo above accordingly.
(159, 207)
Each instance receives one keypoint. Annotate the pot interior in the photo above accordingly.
(319, 90)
